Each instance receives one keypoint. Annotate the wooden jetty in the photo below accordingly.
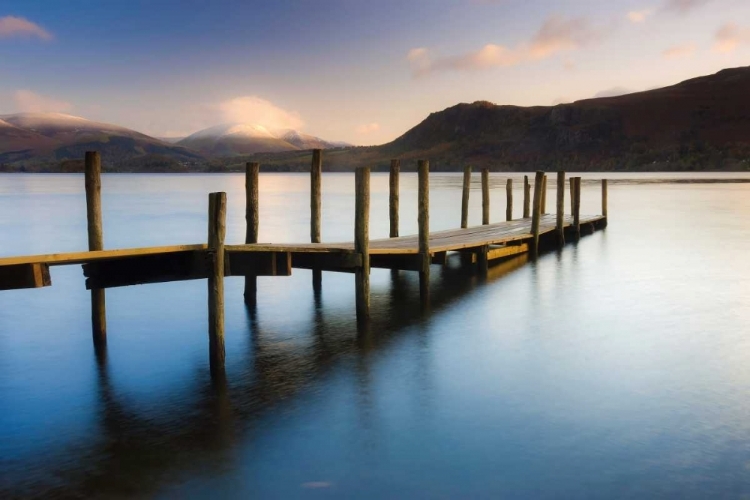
(215, 259)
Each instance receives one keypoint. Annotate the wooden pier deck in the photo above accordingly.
(216, 260)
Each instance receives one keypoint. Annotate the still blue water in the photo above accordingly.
(618, 367)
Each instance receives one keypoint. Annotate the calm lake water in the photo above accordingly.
(617, 368)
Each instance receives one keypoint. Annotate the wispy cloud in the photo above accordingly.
(31, 102)
(368, 128)
(683, 6)
(678, 51)
(558, 34)
(258, 111)
(639, 16)
(614, 92)
(11, 26)
(729, 36)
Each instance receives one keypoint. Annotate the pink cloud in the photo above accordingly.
(729, 37)
(31, 102)
(11, 26)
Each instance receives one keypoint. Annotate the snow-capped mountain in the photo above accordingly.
(57, 136)
(231, 139)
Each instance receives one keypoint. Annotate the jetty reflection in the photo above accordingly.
(135, 453)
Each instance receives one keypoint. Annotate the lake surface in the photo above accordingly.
(617, 368)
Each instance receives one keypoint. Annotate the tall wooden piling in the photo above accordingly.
(604, 197)
(526, 197)
(536, 214)
(316, 172)
(393, 197)
(465, 197)
(362, 240)
(217, 215)
(93, 182)
(544, 194)
(572, 195)
(577, 207)
(509, 199)
(560, 226)
(251, 221)
(485, 196)
(423, 201)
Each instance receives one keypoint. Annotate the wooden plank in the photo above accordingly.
(22, 276)
(544, 194)
(144, 269)
(465, 197)
(258, 263)
(74, 258)
(217, 213)
(393, 195)
(499, 252)
(341, 262)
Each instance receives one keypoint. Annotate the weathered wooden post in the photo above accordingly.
(604, 198)
(393, 196)
(544, 194)
(485, 196)
(561, 207)
(316, 172)
(217, 215)
(572, 195)
(362, 240)
(509, 199)
(577, 208)
(93, 182)
(251, 220)
(482, 260)
(424, 228)
(465, 197)
(526, 197)
(536, 214)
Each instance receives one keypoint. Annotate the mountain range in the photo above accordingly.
(699, 124)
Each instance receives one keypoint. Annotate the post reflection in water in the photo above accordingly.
(135, 453)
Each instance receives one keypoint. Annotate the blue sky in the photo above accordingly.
(360, 71)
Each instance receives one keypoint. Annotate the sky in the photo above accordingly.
(361, 71)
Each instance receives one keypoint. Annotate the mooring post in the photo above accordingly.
(362, 240)
(572, 195)
(316, 172)
(393, 197)
(536, 214)
(251, 220)
(509, 199)
(577, 208)
(465, 197)
(526, 197)
(544, 194)
(483, 260)
(604, 198)
(485, 196)
(93, 182)
(217, 215)
(424, 228)
(560, 207)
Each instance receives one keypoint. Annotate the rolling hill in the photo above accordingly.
(40, 138)
(699, 124)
